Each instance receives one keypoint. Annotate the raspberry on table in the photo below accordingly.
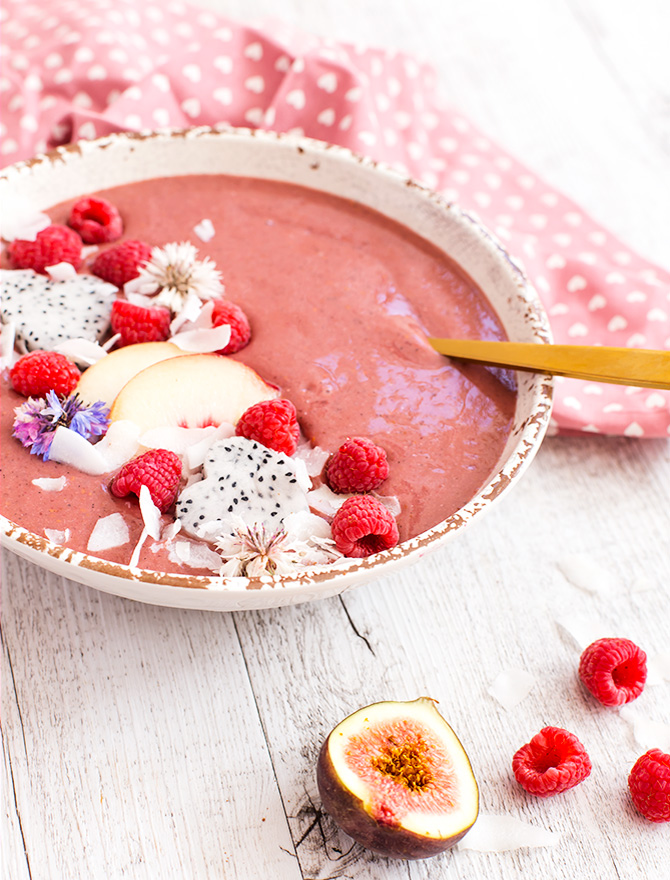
(55, 244)
(363, 526)
(649, 784)
(613, 670)
(96, 220)
(121, 263)
(553, 761)
(158, 469)
(358, 466)
(226, 312)
(39, 371)
(139, 324)
(274, 423)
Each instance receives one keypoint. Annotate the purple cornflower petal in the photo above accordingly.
(36, 420)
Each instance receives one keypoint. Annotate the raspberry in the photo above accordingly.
(614, 671)
(553, 761)
(273, 423)
(649, 784)
(158, 469)
(225, 312)
(122, 262)
(138, 324)
(55, 244)
(40, 371)
(96, 220)
(357, 466)
(363, 526)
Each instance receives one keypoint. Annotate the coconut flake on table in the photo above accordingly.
(582, 630)
(50, 484)
(18, 221)
(648, 734)
(585, 573)
(84, 352)
(658, 668)
(512, 686)
(205, 230)
(502, 833)
(109, 532)
(62, 271)
(57, 536)
(203, 340)
(68, 447)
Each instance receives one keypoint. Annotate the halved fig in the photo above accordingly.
(395, 777)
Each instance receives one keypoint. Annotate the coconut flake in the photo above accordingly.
(50, 484)
(203, 340)
(314, 457)
(110, 531)
(390, 502)
(190, 311)
(658, 668)
(304, 525)
(583, 572)
(56, 536)
(171, 530)
(119, 444)
(325, 501)
(176, 438)
(648, 734)
(512, 686)
(205, 230)
(196, 452)
(84, 352)
(301, 475)
(140, 287)
(582, 630)
(62, 271)
(502, 833)
(71, 448)
(88, 251)
(150, 514)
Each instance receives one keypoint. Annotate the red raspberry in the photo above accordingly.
(96, 220)
(649, 784)
(158, 469)
(274, 423)
(614, 671)
(226, 312)
(363, 526)
(55, 244)
(40, 371)
(122, 262)
(137, 324)
(553, 761)
(357, 466)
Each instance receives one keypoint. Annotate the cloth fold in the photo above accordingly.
(72, 71)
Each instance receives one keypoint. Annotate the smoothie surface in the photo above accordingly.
(340, 302)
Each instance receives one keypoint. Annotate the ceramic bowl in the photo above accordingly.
(88, 166)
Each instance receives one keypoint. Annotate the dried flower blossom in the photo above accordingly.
(175, 273)
(36, 420)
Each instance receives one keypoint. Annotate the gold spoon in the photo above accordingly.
(645, 368)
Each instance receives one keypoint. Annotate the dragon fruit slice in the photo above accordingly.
(242, 478)
(47, 312)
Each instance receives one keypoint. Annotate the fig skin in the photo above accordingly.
(350, 814)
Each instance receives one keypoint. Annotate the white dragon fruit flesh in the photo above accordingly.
(242, 478)
(47, 312)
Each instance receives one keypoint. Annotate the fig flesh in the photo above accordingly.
(395, 777)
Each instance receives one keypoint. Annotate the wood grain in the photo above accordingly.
(144, 742)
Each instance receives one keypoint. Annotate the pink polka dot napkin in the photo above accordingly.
(74, 70)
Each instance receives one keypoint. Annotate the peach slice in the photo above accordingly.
(192, 392)
(106, 377)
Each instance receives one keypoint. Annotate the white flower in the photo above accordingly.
(176, 273)
(252, 551)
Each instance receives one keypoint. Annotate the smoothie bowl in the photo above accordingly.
(342, 269)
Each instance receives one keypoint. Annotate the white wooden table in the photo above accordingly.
(144, 742)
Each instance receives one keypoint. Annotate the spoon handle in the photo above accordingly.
(645, 368)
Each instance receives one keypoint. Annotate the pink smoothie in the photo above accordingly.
(340, 302)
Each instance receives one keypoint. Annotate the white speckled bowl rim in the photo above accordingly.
(87, 166)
